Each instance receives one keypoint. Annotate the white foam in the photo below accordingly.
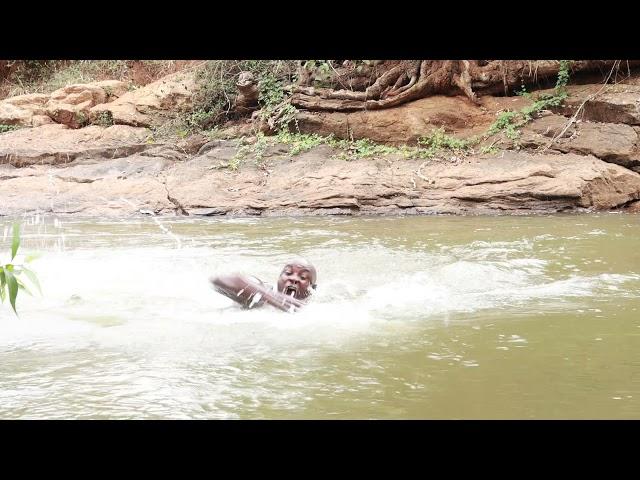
(136, 294)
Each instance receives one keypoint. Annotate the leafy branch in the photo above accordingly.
(11, 274)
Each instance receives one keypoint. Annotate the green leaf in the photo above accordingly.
(32, 277)
(16, 240)
(2, 284)
(22, 286)
(12, 283)
(31, 257)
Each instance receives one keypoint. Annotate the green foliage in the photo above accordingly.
(82, 119)
(213, 105)
(213, 101)
(438, 142)
(257, 149)
(320, 70)
(300, 143)
(8, 128)
(11, 275)
(563, 74)
(85, 71)
(489, 149)
(45, 76)
(523, 92)
(362, 148)
(510, 122)
(271, 91)
(103, 119)
(273, 101)
(29, 73)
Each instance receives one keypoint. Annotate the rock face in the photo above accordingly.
(20, 110)
(315, 184)
(634, 207)
(408, 122)
(58, 144)
(111, 196)
(70, 105)
(607, 125)
(118, 170)
(614, 104)
(166, 180)
(149, 105)
(613, 142)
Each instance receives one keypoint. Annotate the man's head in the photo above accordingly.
(298, 279)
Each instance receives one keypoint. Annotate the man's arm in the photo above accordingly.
(250, 293)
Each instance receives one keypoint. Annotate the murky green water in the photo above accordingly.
(428, 317)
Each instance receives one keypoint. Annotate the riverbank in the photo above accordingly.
(95, 150)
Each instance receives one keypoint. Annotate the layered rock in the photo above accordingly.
(166, 180)
(612, 142)
(22, 109)
(408, 122)
(610, 104)
(580, 165)
(58, 144)
(71, 105)
(68, 105)
(514, 182)
(151, 104)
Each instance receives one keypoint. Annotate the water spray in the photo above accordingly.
(163, 228)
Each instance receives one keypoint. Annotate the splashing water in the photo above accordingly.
(128, 326)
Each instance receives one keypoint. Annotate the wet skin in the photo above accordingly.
(297, 280)
(295, 284)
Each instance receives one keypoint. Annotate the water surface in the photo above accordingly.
(418, 317)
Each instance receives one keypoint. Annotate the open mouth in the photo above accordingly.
(291, 291)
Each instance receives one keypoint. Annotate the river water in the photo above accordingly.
(417, 317)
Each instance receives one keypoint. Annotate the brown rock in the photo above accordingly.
(21, 109)
(151, 104)
(133, 166)
(101, 92)
(39, 120)
(108, 197)
(192, 144)
(634, 207)
(402, 124)
(31, 101)
(70, 105)
(248, 93)
(57, 144)
(612, 142)
(515, 182)
(163, 180)
(615, 104)
(12, 115)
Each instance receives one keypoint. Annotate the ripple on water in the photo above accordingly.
(128, 326)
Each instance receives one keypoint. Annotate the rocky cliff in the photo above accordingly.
(89, 149)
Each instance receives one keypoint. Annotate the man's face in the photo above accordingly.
(296, 280)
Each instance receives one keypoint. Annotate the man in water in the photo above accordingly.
(295, 285)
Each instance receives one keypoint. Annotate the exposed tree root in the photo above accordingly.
(393, 83)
